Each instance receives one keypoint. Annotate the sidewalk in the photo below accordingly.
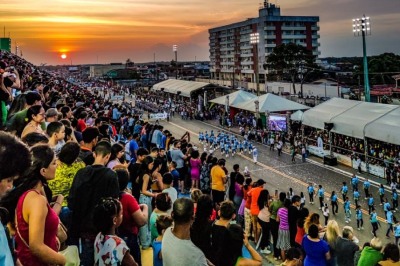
(343, 169)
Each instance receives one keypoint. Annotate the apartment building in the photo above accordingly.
(233, 57)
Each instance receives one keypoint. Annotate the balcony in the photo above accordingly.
(269, 37)
(316, 36)
(247, 71)
(316, 28)
(246, 55)
(270, 45)
(269, 28)
(293, 28)
(246, 63)
(294, 36)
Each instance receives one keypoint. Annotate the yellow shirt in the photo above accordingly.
(217, 178)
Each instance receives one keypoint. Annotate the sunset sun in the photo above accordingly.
(63, 56)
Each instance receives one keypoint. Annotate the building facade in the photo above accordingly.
(233, 57)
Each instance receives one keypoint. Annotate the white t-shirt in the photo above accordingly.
(178, 252)
(172, 193)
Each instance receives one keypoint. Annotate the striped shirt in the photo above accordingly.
(283, 219)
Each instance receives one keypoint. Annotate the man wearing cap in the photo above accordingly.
(17, 122)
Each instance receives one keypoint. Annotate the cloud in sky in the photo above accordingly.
(112, 31)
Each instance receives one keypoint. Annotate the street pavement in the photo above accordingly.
(281, 174)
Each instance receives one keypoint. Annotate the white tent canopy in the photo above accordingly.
(353, 121)
(297, 116)
(235, 98)
(386, 128)
(184, 87)
(357, 119)
(323, 113)
(270, 103)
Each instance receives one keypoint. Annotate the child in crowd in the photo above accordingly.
(360, 221)
(56, 133)
(109, 249)
(325, 212)
(302, 200)
(162, 223)
(347, 210)
(255, 155)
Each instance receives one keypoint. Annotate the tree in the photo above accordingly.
(293, 60)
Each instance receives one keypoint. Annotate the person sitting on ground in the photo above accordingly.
(163, 222)
(371, 255)
(163, 205)
(390, 255)
(134, 215)
(56, 133)
(109, 248)
(177, 248)
(232, 248)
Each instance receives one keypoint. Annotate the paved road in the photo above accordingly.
(281, 174)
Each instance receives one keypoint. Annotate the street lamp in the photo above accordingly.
(362, 27)
(257, 103)
(175, 49)
(254, 40)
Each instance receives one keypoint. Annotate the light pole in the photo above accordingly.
(257, 103)
(254, 40)
(175, 49)
(362, 27)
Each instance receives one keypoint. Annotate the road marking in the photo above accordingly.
(272, 169)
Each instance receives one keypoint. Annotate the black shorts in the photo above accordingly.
(218, 196)
(182, 173)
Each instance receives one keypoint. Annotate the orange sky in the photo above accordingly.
(112, 31)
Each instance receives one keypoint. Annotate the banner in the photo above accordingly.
(158, 116)
(317, 151)
(343, 159)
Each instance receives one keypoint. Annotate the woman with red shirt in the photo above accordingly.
(134, 215)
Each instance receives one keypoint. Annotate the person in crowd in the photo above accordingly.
(253, 196)
(18, 121)
(195, 195)
(195, 166)
(163, 223)
(303, 214)
(51, 116)
(283, 242)
(90, 185)
(311, 192)
(56, 133)
(313, 218)
(238, 196)
(90, 137)
(116, 158)
(316, 249)
(232, 180)
(169, 189)
(274, 207)
(205, 177)
(371, 255)
(178, 157)
(232, 248)
(134, 169)
(359, 217)
(109, 248)
(17, 164)
(345, 248)
(390, 255)
(294, 257)
(35, 116)
(334, 203)
(320, 193)
(263, 219)
(163, 205)
(156, 177)
(331, 236)
(36, 223)
(218, 180)
(219, 230)
(177, 248)
(134, 215)
(34, 138)
(146, 196)
(200, 231)
(293, 216)
(374, 221)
